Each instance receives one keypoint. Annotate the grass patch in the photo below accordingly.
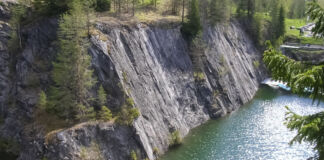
(296, 23)
(293, 35)
(303, 51)
(152, 17)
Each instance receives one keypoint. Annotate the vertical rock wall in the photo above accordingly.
(156, 70)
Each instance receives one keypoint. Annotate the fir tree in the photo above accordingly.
(104, 114)
(71, 74)
(102, 96)
(42, 101)
(18, 13)
(219, 11)
(281, 28)
(193, 26)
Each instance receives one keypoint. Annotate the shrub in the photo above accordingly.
(133, 155)
(256, 64)
(175, 138)
(156, 151)
(130, 102)
(127, 115)
(103, 5)
(42, 100)
(199, 76)
(105, 114)
(9, 147)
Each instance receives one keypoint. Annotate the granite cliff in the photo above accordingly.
(152, 64)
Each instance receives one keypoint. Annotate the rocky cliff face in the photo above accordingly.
(156, 70)
(151, 64)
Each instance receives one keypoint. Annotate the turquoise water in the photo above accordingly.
(255, 131)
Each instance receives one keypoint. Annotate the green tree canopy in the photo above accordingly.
(193, 26)
(69, 97)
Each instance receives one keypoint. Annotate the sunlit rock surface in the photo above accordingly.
(151, 64)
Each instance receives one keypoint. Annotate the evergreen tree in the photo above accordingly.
(240, 8)
(250, 8)
(103, 5)
(219, 11)
(105, 114)
(274, 20)
(102, 96)
(300, 75)
(42, 101)
(18, 13)
(281, 28)
(71, 74)
(193, 26)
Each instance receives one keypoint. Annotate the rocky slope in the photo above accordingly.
(151, 64)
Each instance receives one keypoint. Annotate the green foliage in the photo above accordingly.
(309, 129)
(102, 96)
(199, 76)
(278, 28)
(219, 11)
(52, 7)
(70, 95)
(246, 7)
(9, 148)
(127, 115)
(156, 151)
(281, 23)
(105, 114)
(300, 76)
(18, 15)
(42, 101)
(316, 13)
(297, 9)
(256, 64)
(103, 5)
(133, 155)
(130, 102)
(175, 139)
(191, 28)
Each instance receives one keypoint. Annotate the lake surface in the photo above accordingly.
(255, 131)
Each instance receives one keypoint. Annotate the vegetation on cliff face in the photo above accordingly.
(69, 98)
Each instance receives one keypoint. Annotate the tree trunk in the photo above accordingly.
(133, 8)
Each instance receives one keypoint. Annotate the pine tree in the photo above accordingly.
(42, 101)
(102, 96)
(18, 13)
(219, 11)
(250, 8)
(70, 95)
(274, 20)
(104, 114)
(281, 28)
(193, 26)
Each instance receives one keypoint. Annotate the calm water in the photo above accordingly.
(255, 131)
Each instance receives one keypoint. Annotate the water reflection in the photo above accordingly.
(256, 131)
